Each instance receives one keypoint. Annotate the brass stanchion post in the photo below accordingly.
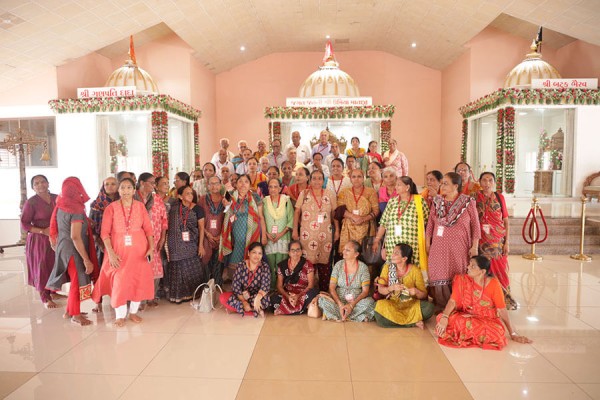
(581, 256)
(532, 256)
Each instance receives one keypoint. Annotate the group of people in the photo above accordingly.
(286, 236)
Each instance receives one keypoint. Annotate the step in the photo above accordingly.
(553, 249)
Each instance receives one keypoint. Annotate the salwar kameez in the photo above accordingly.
(278, 216)
(213, 224)
(360, 202)
(294, 283)
(252, 283)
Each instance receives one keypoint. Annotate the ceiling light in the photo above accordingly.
(413, 45)
(522, 113)
(327, 37)
(243, 48)
(532, 318)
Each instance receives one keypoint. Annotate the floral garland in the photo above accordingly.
(530, 96)
(463, 142)
(276, 131)
(509, 149)
(160, 143)
(196, 145)
(500, 151)
(385, 134)
(385, 111)
(131, 103)
(543, 145)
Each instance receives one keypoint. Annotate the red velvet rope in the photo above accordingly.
(533, 223)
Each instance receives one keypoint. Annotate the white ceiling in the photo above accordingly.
(52, 32)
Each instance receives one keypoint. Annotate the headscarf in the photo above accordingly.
(72, 197)
(98, 206)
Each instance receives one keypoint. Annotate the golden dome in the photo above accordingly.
(131, 75)
(533, 67)
(329, 80)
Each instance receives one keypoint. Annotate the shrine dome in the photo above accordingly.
(532, 67)
(329, 80)
(131, 75)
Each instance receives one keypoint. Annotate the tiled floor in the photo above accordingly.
(178, 353)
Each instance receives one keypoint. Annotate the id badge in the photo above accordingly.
(349, 297)
(397, 230)
(274, 229)
(232, 219)
(487, 228)
(440, 231)
(128, 240)
(246, 295)
(321, 218)
(185, 236)
(213, 224)
(356, 212)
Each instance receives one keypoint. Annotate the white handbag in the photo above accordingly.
(209, 297)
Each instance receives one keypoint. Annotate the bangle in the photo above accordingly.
(377, 239)
(444, 316)
(514, 334)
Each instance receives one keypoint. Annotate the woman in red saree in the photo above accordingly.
(475, 313)
(493, 219)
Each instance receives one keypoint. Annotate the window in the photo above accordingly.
(43, 128)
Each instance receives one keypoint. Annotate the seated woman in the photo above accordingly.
(251, 283)
(349, 289)
(295, 283)
(402, 283)
(474, 314)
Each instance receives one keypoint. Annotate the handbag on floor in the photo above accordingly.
(209, 298)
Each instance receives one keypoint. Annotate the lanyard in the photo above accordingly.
(353, 277)
(251, 275)
(239, 205)
(186, 216)
(401, 211)
(315, 197)
(127, 219)
(359, 196)
(337, 191)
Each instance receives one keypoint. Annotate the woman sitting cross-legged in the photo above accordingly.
(349, 289)
(402, 283)
(251, 283)
(295, 283)
(474, 314)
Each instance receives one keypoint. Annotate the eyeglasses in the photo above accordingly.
(295, 250)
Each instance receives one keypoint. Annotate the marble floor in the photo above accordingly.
(177, 353)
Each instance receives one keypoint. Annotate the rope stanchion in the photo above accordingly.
(581, 256)
(532, 227)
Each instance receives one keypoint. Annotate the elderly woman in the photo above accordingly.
(250, 284)
(35, 220)
(359, 154)
(295, 283)
(405, 304)
(452, 236)
(158, 217)
(201, 185)
(108, 194)
(263, 187)
(287, 174)
(433, 181)
(75, 260)
(396, 159)
(403, 221)
(349, 289)
(387, 190)
(264, 164)
(317, 164)
(126, 275)
(241, 225)
(360, 209)
(277, 223)
(314, 226)
(374, 180)
(470, 186)
(493, 219)
(476, 311)
(162, 190)
(300, 184)
(337, 180)
(213, 208)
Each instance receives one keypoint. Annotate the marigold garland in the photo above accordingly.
(463, 142)
(530, 96)
(375, 111)
(509, 149)
(500, 150)
(385, 134)
(130, 103)
(160, 143)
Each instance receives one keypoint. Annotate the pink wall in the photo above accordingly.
(579, 60)
(35, 91)
(203, 91)
(415, 90)
(89, 71)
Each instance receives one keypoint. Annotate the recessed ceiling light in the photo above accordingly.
(242, 48)
(522, 113)
(327, 37)
(413, 45)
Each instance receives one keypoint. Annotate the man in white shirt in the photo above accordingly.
(221, 162)
(224, 143)
(242, 167)
(292, 158)
(276, 157)
(335, 153)
(323, 146)
(242, 145)
(302, 150)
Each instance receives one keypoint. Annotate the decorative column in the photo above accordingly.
(500, 150)
(276, 131)
(160, 143)
(385, 133)
(509, 149)
(196, 145)
(463, 142)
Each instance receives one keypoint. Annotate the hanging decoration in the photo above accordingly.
(134, 103)
(386, 134)
(500, 150)
(463, 142)
(375, 111)
(276, 131)
(196, 145)
(160, 143)
(530, 96)
(509, 149)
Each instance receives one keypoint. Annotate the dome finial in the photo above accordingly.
(131, 50)
(329, 57)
